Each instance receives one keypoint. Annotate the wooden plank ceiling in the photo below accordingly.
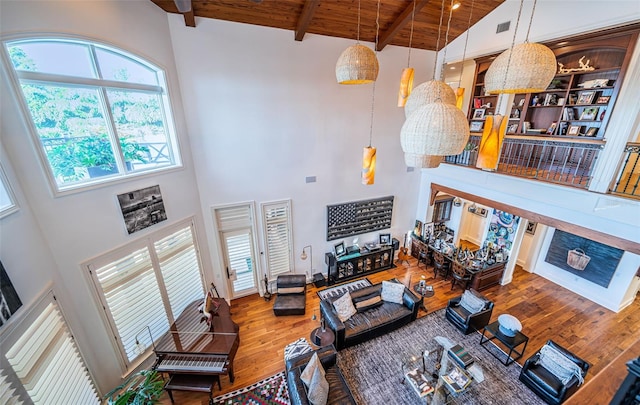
(339, 18)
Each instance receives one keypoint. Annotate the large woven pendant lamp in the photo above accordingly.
(357, 64)
(369, 152)
(429, 92)
(523, 68)
(437, 128)
(406, 79)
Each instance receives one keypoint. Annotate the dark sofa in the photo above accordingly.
(339, 392)
(372, 322)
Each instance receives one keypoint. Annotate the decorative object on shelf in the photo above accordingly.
(589, 113)
(592, 131)
(339, 249)
(358, 64)
(531, 227)
(584, 67)
(590, 84)
(603, 99)
(574, 130)
(436, 128)
(406, 79)
(384, 238)
(552, 128)
(491, 142)
(509, 325)
(478, 113)
(525, 68)
(476, 126)
(586, 97)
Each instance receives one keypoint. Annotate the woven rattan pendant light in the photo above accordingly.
(429, 92)
(369, 152)
(357, 64)
(435, 129)
(523, 68)
(406, 79)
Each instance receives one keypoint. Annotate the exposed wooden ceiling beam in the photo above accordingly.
(304, 20)
(402, 20)
(189, 18)
(604, 238)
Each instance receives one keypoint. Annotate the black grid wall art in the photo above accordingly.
(358, 217)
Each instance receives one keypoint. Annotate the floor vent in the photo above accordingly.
(503, 27)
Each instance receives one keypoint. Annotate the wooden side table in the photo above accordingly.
(423, 292)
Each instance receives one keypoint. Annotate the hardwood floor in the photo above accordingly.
(547, 311)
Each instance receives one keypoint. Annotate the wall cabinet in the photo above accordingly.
(358, 265)
(578, 102)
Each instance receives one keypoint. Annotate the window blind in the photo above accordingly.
(8, 394)
(44, 357)
(277, 228)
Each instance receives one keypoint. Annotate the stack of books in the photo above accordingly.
(461, 356)
(457, 380)
(419, 382)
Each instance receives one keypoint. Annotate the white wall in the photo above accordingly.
(264, 111)
(47, 240)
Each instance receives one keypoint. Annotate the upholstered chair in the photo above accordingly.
(292, 295)
(469, 312)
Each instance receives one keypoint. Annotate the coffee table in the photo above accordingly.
(492, 331)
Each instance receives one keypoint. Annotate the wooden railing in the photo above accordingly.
(628, 181)
(568, 163)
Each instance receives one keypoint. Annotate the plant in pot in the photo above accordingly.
(141, 388)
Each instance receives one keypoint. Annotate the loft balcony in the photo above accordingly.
(627, 183)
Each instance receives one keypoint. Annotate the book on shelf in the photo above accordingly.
(419, 382)
(461, 356)
(457, 379)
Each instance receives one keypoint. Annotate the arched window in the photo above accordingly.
(98, 113)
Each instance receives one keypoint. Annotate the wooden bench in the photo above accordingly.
(192, 382)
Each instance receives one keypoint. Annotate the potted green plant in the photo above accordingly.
(141, 388)
(95, 153)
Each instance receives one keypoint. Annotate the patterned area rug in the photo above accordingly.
(374, 369)
(270, 391)
(343, 288)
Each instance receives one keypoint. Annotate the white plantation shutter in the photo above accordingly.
(147, 284)
(276, 218)
(180, 269)
(8, 394)
(235, 217)
(132, 294)
(44, 357)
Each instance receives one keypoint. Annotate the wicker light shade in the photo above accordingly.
(429, 92)
(524, 68)
(422, 161)
(357, 65)
(406, 86)
(495, 126)
(435, 129)
(368, 165)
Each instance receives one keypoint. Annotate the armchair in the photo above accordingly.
(292, 295)
(469, 312)
(547, 384)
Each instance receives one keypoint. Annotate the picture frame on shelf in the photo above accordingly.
(592, 131)
(603, 100)
(339, 249)
(572, 99)
(513, 128)
(385, 238)
(562, 130)
(589, 113)
(552, 128)
(521, 102)
(574, 130)
(586, 97)
(476, 126)
(478, 113)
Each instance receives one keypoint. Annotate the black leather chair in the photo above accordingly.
(467, 321)
(292, 295)
(546, 385)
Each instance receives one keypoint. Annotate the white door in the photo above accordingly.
(239, 262)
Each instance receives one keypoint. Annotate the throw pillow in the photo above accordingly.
(318, 390)
(559, 365)
(344, 307)
(367, 301)
(313, 364)
(392, 292)
(471, 302)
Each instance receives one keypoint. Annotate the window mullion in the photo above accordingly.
(113, 132)
(86, 81)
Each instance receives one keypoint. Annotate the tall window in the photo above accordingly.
(43, 355)
(145, 285)
(276, 217)
(99, 113)
(7, 199)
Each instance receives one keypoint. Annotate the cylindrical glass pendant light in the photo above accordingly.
(495, 127)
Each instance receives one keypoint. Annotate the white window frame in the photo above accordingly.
(54, 79)
(75, 367)
(147, 242)
(6, 186)
(269, 254)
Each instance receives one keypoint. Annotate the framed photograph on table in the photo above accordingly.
(385, 238)
(589, 113)
(476, 126)
(586, 97)
(339, 249)
(478, 113)
(574, 130)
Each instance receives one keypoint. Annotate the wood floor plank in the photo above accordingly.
(546, 310)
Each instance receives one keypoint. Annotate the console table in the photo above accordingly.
(358, 264)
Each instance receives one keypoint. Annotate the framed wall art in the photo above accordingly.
(531, 227)
(142, 208)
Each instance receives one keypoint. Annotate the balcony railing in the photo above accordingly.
(628, 181)
(569, 163)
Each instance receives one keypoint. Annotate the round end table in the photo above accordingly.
(424, 291)
(321, 337)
